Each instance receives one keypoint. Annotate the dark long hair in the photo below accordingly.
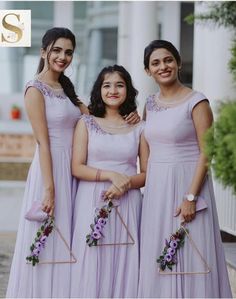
(49, 38)
(97, 107)
(157, 44)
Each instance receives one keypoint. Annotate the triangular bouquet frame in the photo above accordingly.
(204, 262)
(131, 242)
(72, 260)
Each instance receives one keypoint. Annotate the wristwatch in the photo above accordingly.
(190, 197)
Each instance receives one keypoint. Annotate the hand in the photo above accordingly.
(133, 118)
(113, 193)
(121, 181)
(48, 203)
(187, 211)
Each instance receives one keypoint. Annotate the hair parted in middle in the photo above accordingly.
(97, 107)
(158, 44)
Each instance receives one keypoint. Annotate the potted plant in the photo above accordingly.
(15, 112)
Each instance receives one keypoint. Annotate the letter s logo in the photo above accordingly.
(12, 28)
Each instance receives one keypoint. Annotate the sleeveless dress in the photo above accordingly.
(174, 153)
(107, 271)
(48, 280)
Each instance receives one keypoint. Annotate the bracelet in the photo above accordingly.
(98, 175)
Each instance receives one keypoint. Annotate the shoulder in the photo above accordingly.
(196, 98)
(38, 85)
(150, 102)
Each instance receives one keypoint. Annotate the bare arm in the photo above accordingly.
(35, 107)
(79, 161)
(138, 180)
(202, 118)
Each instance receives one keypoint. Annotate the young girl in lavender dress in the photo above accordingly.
(105, 152)
(177, 184)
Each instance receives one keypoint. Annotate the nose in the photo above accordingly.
(113, 89)
(62, 55)
(162, 65)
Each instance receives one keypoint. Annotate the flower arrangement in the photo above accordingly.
(100, 220)
(168, 257)
(39, 242)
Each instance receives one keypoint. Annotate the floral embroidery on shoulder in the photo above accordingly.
(152, 105)
(46, 90)
(92, 124)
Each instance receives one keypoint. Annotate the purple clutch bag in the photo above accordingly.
(35, 213)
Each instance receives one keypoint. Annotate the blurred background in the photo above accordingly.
(107, 32)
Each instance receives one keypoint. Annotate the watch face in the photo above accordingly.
(190, 197)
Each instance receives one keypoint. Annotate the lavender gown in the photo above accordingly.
(173, 157)
(47, 280)
(107, 271)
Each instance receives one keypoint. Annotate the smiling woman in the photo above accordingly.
(53, 110)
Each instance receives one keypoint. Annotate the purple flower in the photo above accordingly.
(38, 245)
(174, 244)
(96, 235)
(171, 251)
(36, 251)
(168, 257)
(97, 227)
(43, 239)
(102, 222)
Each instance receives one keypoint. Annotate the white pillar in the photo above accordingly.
(137, 27)
(171, 16)
(211, 74)
(64, 14)
(94, 56)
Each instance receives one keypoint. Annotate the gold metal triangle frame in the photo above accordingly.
(72, 260)
(126, 228)
(204, 262)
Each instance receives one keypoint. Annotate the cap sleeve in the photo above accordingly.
(39, 85)
(196, 99)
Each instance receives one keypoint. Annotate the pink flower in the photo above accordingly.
(38, 245)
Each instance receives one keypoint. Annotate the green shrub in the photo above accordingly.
(220, 145)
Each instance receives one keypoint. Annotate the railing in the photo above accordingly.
(226, 208)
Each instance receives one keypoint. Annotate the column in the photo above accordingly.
(211, 74)
(63, 14)
(94, 56)
(137, 27)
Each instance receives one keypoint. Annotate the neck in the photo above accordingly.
(48, 76)
(113, 114)
(170, 92)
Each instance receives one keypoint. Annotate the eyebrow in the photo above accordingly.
(57, 47)
(169, 56)
(108, 82)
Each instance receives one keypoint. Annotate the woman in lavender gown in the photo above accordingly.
(52, 108)
(105, 152)
(179, 184)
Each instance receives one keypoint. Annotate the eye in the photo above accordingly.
(169, 60)
(56, 50)
(69, 53)
(120, 85)
(106, 86)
